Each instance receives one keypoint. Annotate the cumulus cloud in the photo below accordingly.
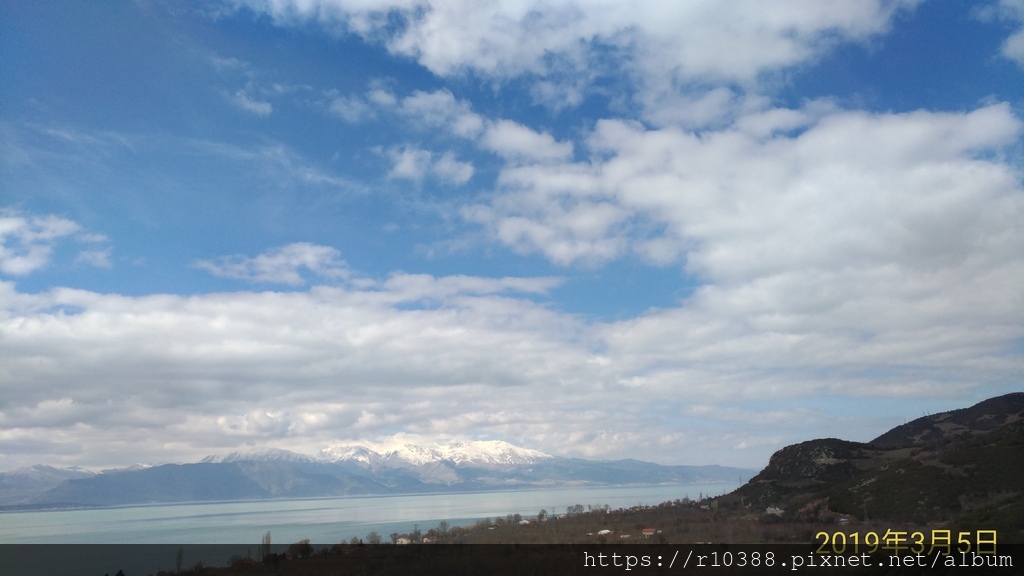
(734, 41)
(860, 241)
(916, 189)
(412, 163)
(300, 370)
(1013, 46)
(281, 265)
(210, 369)
(450, 169)
(381, 97)
(440, 109)
(351, 109)
(26, 242)
(514, 141)
(564, 45)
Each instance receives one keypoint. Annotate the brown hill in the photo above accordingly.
(979, 419)
(939, 468)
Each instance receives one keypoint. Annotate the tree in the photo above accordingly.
(442, 527)
(373, 538)
(265, 546)
(542, 515)
(301, 549)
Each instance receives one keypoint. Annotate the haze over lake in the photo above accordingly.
(324, 521)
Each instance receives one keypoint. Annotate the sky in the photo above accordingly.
(687, 233)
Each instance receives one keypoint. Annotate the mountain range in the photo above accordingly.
(341, 470)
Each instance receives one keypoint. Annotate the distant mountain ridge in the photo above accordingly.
(24, 483)
(490, 453)
(344, 470)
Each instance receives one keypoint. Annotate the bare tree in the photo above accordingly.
(265, 546)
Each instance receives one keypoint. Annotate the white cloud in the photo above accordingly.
(26, 242)
(860, 241)
(351, 109)
(281, 265)
(516, 142)
(381, 97)
(449, 169)
(440, 109)
(743, 202)
(411, 287)
(228, 63)
(300, 366)
(247, 103)
(582, 233)
(412, 163)
(97, 258)
(426, 357)
(1013, 46)
(676, 48)
(512, 141)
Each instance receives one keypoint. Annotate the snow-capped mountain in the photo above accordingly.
(22, 483)
(367, 457)
(132, 468)
(339, 470)
(482, 454)
(490, 453)
(258, 455)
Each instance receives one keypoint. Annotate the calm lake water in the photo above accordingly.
(323, 521)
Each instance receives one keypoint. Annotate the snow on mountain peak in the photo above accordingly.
(354, 453)
(258, 455)
(487, 453)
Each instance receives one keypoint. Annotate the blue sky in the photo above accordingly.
(685, 233)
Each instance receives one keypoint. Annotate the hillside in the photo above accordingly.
(933, 469)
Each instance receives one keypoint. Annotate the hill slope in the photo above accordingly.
(934, 469)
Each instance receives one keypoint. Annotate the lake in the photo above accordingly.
(323, 521)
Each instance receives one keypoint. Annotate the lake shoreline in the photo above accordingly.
(319, 519)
